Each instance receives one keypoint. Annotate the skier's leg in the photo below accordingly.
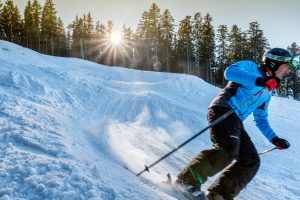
(237, 175)
(226, 147)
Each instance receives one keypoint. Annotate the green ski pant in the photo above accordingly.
(232, 151)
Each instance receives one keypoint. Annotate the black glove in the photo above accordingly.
(280, 143)
(270, 81)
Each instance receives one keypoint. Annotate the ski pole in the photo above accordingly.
(268, 150)
(218, 120)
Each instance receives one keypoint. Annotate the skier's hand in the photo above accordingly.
(270, 81)
(280, 143)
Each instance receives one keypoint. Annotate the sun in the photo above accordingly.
(116, 38)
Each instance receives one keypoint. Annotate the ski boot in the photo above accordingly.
(184, 191)
(192, 193)
(214, 196)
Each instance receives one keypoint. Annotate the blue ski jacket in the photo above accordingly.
(242, 76)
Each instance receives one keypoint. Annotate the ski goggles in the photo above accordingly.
(294, 62)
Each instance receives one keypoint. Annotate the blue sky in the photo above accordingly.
(279, 19)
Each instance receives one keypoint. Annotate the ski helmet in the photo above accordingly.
(276, 57)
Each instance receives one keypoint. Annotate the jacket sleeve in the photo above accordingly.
(261, 120)
(242, 73)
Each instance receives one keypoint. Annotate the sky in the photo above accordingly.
(276, 17)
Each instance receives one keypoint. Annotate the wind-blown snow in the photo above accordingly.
(69, 128)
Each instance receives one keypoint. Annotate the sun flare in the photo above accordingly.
(115, 38)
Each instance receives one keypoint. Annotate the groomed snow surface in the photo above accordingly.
(69, 128)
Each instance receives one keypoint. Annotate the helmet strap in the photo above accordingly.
(270, 72)
(273, 73)
(267, 71)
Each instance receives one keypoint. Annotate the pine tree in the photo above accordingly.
(100, 40)
(141, 48)
(154, 36)
(127, 47)
(100, 30)
(197, 26)
(88, 35)
(294, 72)
(48, 26)
(2, 21)
(83, 35)
(235, 45)
(61, 39)
(110, 51)
(148, 36)
(222, 60)
(207, 49)
(36, 32)
(257, 43)
(74, 27)
(6, 18)
(89, 25)
(28, 24)
(244, 48)
(110, 27)
(11, 22)
(185, 45)
(17, 25)
(167, 37)
(69, 43)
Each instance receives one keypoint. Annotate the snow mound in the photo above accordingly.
(69, 128)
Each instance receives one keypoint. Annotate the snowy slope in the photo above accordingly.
(68, 127)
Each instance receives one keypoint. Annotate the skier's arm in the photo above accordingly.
(242, 73)
(262, 123)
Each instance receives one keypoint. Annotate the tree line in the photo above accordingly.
(195, 47)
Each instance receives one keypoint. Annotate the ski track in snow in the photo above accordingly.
(68, 127)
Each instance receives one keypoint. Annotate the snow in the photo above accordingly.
(69, 128)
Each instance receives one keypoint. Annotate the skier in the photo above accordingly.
(230, 140)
